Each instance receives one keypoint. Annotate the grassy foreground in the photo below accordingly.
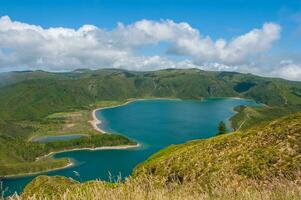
(262, 162)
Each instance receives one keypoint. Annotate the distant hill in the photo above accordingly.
(262, 162)
(33, 95)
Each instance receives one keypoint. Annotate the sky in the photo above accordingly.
(259, 36)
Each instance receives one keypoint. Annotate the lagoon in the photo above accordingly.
(154, 124)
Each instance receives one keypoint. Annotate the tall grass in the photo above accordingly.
(147, 188)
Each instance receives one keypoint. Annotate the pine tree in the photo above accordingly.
(222, 128)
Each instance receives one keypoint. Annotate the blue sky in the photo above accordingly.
(226, 19)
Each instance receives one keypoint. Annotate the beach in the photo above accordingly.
(95, 122)
(91, 149)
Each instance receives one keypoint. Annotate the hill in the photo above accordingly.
(261, 162)
(34, 95)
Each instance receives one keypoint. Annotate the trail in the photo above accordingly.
(247, 117)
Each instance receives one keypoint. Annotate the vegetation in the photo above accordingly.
(20, 156)
(222, 128)
(261, 162)
(43, 94)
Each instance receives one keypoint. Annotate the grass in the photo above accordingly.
(263, 152)
(144, 189)
(247, 116)
(262, 162)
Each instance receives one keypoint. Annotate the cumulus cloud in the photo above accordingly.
(59, 48)
(287, 69)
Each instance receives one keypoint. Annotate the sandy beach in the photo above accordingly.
(95, 122)
(91, 149)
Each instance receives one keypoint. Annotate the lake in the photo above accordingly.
(155, 124)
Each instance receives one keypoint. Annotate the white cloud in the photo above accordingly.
(288, 70)
(233, 52)
(58, 49)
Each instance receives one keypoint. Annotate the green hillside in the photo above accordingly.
(261, 162)
(34, 95)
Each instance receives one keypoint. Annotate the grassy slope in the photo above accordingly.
(267, 151)
(263, 161)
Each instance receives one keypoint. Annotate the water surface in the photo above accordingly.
(155, 124)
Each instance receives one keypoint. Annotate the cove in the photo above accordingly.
(155, 124)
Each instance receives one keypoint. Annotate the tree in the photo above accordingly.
(222, 128)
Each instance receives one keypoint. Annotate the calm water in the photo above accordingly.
(58, 138)
(155, 124)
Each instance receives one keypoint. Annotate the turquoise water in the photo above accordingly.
(155, 124)
(58, 138)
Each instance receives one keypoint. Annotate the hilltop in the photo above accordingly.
(263, 161)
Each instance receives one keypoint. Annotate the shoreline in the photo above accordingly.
(71, 163)
(95, 121)
(91, 149)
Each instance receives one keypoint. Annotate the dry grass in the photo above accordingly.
(144, 188)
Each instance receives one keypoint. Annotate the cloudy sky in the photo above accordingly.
(260, 36)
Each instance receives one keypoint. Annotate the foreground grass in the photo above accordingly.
(263, 162)
(144, 188)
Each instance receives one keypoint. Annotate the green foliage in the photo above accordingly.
(222, 128)
(247, 117)
(44, 93)
(19, 156)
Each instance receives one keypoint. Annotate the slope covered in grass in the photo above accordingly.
(262, 153)
(263, 161)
